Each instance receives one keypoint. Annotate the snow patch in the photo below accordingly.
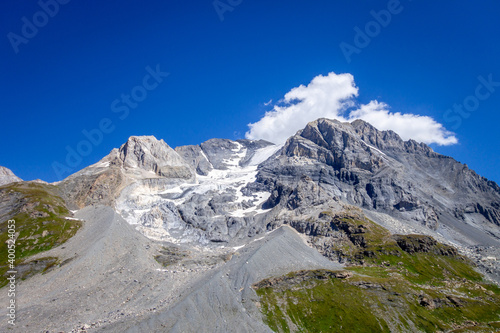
(206, 157)
(377, 150)
(100, 165)
(263, 154)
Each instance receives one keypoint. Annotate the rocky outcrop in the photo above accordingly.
(219, 153)
(300, 195)
(423, 244)
(490, 212)
(218, 204)
(150, 154)
(195, 156)
(82, 190)
(287, 281)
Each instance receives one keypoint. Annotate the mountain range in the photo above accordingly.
(250, 236)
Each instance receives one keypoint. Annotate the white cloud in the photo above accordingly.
(408, 126)
(329, 97)
(325, 96)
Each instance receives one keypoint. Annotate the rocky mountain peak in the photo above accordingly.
(151, 154)
(379, 171)
(375, 137)
(324, 130)
(7, 176)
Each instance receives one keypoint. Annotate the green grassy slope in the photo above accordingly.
(40, 225)
(396, 284)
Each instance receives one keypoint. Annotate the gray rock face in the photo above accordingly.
(195, 156)
(149, 154)
(85, 189)
(219, 150)
(10, 204)
(214, 153)
(376, 170)
(7, 176)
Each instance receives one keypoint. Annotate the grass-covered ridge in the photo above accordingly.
(392, 284)
(40, 224)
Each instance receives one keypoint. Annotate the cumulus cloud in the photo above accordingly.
(325, 96)
(408, 126)
(332, 96)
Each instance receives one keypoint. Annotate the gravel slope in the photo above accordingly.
(112, 283)
(112, 275)
(224, 300)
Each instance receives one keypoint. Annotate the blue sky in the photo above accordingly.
(64, 77)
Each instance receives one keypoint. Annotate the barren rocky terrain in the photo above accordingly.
(210, 237)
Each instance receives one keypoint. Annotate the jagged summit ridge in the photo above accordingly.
(364, 131)
(222, 189)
